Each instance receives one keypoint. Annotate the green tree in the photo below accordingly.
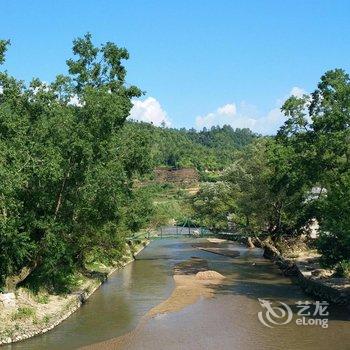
(267, 188)
(67, 167)
(318, 130)
(213, 205)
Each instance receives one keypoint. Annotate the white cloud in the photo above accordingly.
(229, 109)
(1, 90)
(297, 92)
(227, 114)
(248, 116)
(150, 111)
(223, 115)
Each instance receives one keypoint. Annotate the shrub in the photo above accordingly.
(343, 268)
(23, 313)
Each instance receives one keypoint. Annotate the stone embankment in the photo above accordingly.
(313, 280)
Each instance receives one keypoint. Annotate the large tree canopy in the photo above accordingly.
(318, 129)
(66, 167)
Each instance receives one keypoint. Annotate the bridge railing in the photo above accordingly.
(182, 231)
(178, 231)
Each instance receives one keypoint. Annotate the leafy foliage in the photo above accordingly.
(262, 190)
(278, 185)
(68, 164)
(318, 129)
(205, 150)
(213, 204)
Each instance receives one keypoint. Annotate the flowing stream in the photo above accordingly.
(229, 320)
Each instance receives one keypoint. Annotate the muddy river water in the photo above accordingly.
(227, 320)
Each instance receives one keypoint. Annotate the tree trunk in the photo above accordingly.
(12, 281)
(60, 195)
(250, 242)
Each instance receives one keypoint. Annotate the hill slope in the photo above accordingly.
(212, 149)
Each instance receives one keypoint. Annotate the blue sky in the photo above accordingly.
(201, 62)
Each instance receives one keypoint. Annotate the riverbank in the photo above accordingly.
(305, 270)
(300, 263)
(27, 315)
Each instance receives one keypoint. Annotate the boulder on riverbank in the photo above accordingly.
(7, 300)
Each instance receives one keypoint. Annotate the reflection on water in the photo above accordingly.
(119, 304)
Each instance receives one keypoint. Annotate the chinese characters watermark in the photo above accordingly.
(308, 314)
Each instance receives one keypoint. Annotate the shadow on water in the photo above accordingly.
(262, 280)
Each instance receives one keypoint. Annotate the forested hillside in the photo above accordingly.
(212, 149)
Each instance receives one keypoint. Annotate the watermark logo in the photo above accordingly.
(279, 313)
(274, 315)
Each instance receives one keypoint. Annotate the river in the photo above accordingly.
(229, 320)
